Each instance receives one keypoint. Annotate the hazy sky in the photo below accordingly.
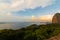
(28, 10)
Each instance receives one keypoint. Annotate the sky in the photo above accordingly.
(28, 10)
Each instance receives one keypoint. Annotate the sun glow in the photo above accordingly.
(46, 18)
(8, 14)
(33, 18)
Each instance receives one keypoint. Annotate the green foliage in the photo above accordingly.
(32, 32)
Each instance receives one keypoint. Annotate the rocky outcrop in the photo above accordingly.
(56, 18)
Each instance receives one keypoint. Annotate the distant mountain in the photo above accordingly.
(56, 18)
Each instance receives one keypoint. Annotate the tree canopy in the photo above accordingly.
(32, 32)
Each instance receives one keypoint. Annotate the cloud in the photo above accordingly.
(16, 5)
(6, 7)
(29, 4)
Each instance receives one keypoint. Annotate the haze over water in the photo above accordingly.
(17, 25)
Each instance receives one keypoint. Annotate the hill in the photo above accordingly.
(32, 32)
(57, 37)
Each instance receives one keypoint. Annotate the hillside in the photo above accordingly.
(57, 37)
(32, 32)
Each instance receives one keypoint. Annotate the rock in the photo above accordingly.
(56, 18)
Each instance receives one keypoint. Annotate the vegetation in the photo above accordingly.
(32, 32)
